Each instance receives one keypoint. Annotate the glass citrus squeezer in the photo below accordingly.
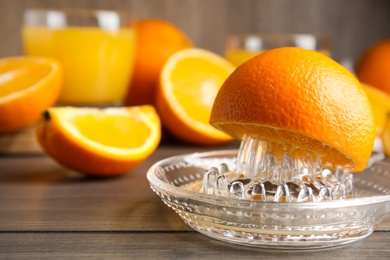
(275, 191)
(316, 208)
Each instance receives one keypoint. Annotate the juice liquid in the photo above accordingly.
(239, 56)
(97, 63)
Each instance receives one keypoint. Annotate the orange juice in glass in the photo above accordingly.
(95, 47)
(242, 47)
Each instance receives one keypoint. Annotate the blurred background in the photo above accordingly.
(352, 25)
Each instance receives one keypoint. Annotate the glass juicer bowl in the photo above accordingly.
(248, 197)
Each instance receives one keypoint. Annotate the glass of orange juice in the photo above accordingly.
(96, 48)
(241, 47)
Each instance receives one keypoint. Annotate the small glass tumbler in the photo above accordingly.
(95, 47)
(241, 47)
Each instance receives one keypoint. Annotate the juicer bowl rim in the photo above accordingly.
(155, 182)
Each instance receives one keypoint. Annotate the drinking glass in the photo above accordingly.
(241, 47)
(95, 47)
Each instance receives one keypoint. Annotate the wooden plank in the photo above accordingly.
(169, 245)
(37, 194)
(21, 142)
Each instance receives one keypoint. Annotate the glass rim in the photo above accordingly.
(255, 42)
(77, 11)
(75, 17)
(277, 35)
(165, 186)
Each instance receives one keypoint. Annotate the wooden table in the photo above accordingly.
(48, 211)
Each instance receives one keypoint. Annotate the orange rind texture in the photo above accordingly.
(302, 99)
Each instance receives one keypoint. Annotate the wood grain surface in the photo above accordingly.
(352, 25)
(48, 211)
(20, 142)
(37, 194)
(169, 245)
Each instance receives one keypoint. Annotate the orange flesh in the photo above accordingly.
(16, 76)
(97, 129)
(195, 100)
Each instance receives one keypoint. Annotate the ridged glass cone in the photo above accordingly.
(269, 172)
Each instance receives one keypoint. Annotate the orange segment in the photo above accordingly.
(380, 103)
(189, 82)
(301, 99)
(100, 141)
(28, 86)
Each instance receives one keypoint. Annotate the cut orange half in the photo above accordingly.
(189, 82)
(101, 142)
(299, 100)
(28, 86)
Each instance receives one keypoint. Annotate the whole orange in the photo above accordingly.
(373, 67)
(380, 103)
(157, 40)
(300, 99)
